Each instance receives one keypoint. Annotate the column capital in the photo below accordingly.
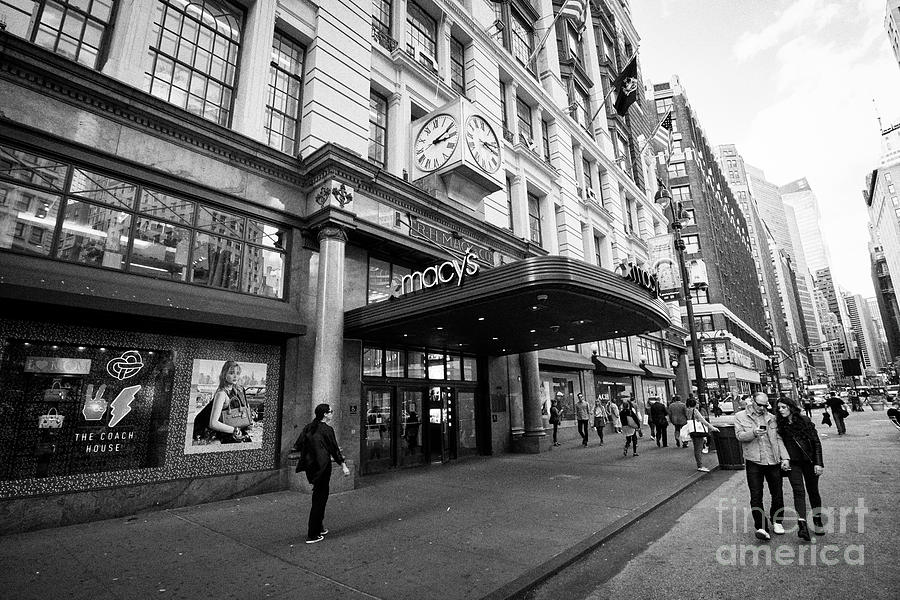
(332, 232)
(394, 99)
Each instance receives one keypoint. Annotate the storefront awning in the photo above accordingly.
(612, 365)
(532, 304)
(658, 372)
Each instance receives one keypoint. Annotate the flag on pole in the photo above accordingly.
(626, 86)
(663, 133)
(575, 11)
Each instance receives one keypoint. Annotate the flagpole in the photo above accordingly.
(544, 39)
(612, 87)
(649, 139)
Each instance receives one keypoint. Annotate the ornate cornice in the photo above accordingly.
(30, 66)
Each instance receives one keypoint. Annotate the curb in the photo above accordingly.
(516, 588)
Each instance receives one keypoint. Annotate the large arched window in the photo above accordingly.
(194, 52)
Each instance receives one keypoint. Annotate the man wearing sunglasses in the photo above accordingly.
(756, 429)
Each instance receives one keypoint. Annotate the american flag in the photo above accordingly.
(663, 133)
(575, 11)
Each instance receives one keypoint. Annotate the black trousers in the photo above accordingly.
(804, 471)
(771, 474)
(599, 425)
(662, 434)
(583, 430)
(317, 508)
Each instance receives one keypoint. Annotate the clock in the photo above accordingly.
(436, 142)
(482, 143)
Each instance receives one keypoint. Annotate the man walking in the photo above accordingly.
(582, 414)
(756, 429)
(838, 411)
(658, 414)
(678, 417)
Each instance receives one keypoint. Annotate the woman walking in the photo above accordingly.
(600, 417)
(698, 429)
(801, 443)
(631, 425)
(555, 415)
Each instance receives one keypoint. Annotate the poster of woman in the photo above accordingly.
(225, 411)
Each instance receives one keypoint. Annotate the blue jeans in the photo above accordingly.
(771, 474)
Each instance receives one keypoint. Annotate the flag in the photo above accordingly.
(575, 11)
(626, 86)
(663, 133)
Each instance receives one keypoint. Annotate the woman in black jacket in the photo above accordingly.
(317, 446)
(801, 443)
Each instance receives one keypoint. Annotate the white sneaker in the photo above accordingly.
(705, 451)
(778, 528)
(704, 469)
(762, 534)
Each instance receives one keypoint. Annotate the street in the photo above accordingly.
(707, 552)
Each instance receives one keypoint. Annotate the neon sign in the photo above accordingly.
(445, 272)
(640, 276)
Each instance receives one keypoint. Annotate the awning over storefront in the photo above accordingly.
(532, 304)
(614, 366)
(658, 372)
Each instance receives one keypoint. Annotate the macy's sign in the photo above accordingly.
(436, 275)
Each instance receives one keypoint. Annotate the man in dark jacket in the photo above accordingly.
(658, 414)
(317, 446)
(837, 405)
(678, 417)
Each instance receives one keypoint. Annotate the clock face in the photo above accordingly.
(436, 142)
(483, 144)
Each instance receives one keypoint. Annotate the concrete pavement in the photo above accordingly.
(483, 527)
(710, 554)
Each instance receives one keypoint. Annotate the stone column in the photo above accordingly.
(328, 351)
(535, 439)
(130, 39)
(398, 133)
(253, 72)
(516, 414)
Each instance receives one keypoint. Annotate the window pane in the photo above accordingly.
(435, 365)
(470, 368)
(216, 261)
(160, 250)
(393, 363)
(285, 82)
(372, 360)
(220, 222)
(454, 367)
(101, 188)
(263, 272)
(265, 234)
(27, 219)
(94, 235)
(170, 208)
(379, 280)
(31, 168)
(416, 368)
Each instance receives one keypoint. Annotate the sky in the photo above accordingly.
(796, 85)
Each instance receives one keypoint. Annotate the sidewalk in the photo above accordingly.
(487, 526)
(709, 553)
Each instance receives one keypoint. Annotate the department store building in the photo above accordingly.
(383, 206)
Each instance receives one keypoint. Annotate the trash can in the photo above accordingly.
(728, 448)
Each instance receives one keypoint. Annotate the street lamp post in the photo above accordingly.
(664, 195)
(714, 339)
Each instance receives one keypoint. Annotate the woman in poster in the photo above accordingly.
(229, 416)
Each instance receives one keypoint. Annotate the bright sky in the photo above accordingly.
(791, 83)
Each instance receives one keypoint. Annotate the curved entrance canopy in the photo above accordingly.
(532, 304)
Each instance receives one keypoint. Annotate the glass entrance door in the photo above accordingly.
(411, 411)
(378, 431)
(441, 424)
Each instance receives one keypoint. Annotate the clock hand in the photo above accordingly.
(445, 136)
(490, 145)
(441, 138)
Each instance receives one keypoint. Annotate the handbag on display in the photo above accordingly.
(237, 413)
(56, 392)
(51, 420)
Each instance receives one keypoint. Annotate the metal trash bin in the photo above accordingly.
(728, 448)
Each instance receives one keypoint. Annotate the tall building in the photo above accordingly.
(883, 206)
(802, 199)
(728, 305)
(865, 333)
(880, 335)
(406, 209)
(892, 26)
(789, 349)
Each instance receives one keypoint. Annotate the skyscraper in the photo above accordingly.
(892, 26)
